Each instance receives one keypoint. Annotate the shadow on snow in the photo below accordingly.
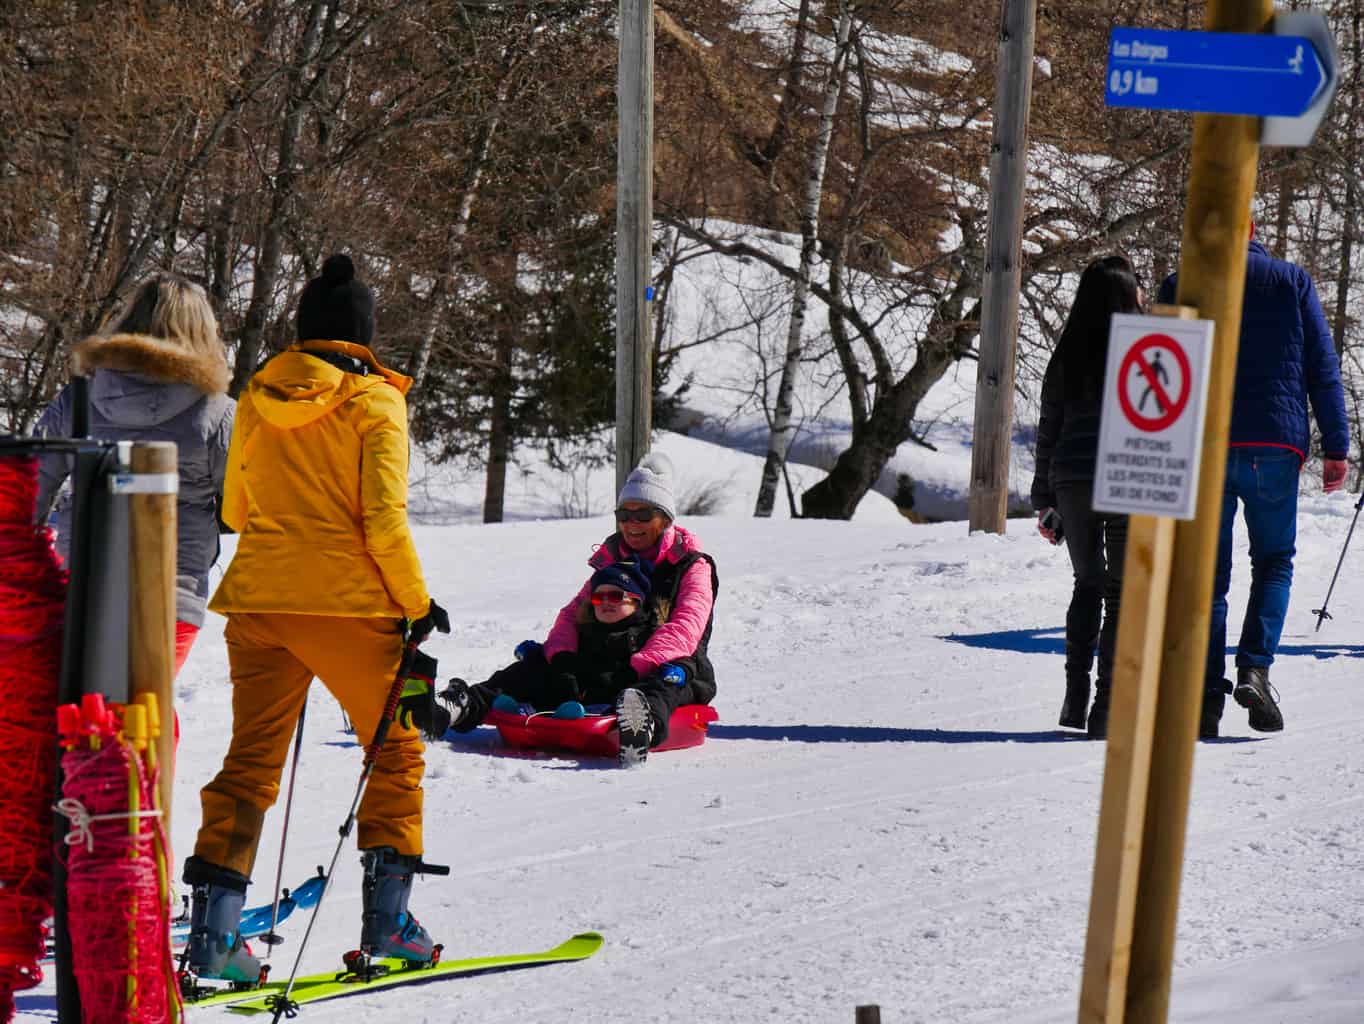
(1052, 640)
(883, 734)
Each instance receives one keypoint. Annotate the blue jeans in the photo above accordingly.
(1266, 482)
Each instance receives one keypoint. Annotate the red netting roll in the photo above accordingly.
(120, 938)
(32, 599)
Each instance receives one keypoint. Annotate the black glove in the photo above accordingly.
(436, 618)
(418, 705)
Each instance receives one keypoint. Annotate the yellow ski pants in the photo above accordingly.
(273, 659)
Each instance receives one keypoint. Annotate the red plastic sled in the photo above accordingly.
(596, 735)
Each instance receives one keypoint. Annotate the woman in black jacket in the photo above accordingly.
(1062, 489)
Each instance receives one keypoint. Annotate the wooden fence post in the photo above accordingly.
(151, 612)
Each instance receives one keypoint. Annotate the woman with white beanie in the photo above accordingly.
(671, 668)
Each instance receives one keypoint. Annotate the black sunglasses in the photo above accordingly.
(635, 515)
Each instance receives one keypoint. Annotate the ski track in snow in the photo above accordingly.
(885, 812)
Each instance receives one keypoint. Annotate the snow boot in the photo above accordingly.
(469, 705)
(1214, 698)
(1075, 703)
(1254, 693)
(388, 928)
(636, 724)
(216, 949)
(570, 710)
(1097, 726)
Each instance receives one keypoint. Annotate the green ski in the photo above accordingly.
(335, 984)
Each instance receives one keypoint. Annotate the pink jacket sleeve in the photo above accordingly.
(680, 635)
(563, 635)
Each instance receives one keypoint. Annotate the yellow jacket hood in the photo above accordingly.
(296, 387)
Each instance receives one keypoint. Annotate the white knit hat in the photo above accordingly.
(651, 482)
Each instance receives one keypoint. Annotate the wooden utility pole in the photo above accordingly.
(1212, 278)
(992, 432)
(634, 234)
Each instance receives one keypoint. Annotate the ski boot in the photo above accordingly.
(388, 928)
(216, 950)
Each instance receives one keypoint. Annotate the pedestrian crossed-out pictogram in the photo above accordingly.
(1154, 382)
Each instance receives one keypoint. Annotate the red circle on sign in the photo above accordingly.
(1134, 360)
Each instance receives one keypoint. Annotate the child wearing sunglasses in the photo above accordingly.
(634, 638)
(614, 622)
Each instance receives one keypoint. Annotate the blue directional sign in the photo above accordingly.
(1214, 72)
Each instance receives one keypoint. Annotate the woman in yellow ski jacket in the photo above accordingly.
(324, 575)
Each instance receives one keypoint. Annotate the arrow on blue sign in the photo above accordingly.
(1213, 72)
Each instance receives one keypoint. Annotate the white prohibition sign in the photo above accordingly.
(1151, 425)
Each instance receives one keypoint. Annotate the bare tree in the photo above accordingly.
(781, 425)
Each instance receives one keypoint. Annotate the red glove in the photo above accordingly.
(1333, 474)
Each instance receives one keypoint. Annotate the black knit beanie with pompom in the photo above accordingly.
(335, 306)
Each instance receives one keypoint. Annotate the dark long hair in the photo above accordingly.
(1107, 286)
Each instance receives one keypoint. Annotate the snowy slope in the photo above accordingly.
(884, 814)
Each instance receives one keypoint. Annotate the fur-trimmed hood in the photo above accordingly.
(145, 390)
(152, 357)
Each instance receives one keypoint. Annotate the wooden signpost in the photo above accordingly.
(1168, 575)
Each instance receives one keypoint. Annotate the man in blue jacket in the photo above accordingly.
(1286, 361)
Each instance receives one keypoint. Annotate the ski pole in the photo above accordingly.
(270, 939)
(280, 1003)
(1321, 613)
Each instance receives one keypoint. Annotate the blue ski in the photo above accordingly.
(256, 920)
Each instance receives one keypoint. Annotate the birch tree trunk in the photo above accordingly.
(454, 246)
(779, 442)
(454, 240)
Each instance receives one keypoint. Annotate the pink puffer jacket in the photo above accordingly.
(676, 638)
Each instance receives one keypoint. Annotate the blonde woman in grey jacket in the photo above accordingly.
(160, 374)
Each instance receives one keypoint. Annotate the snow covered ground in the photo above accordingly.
(885, 812)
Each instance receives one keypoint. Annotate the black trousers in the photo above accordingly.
(1096, 542)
